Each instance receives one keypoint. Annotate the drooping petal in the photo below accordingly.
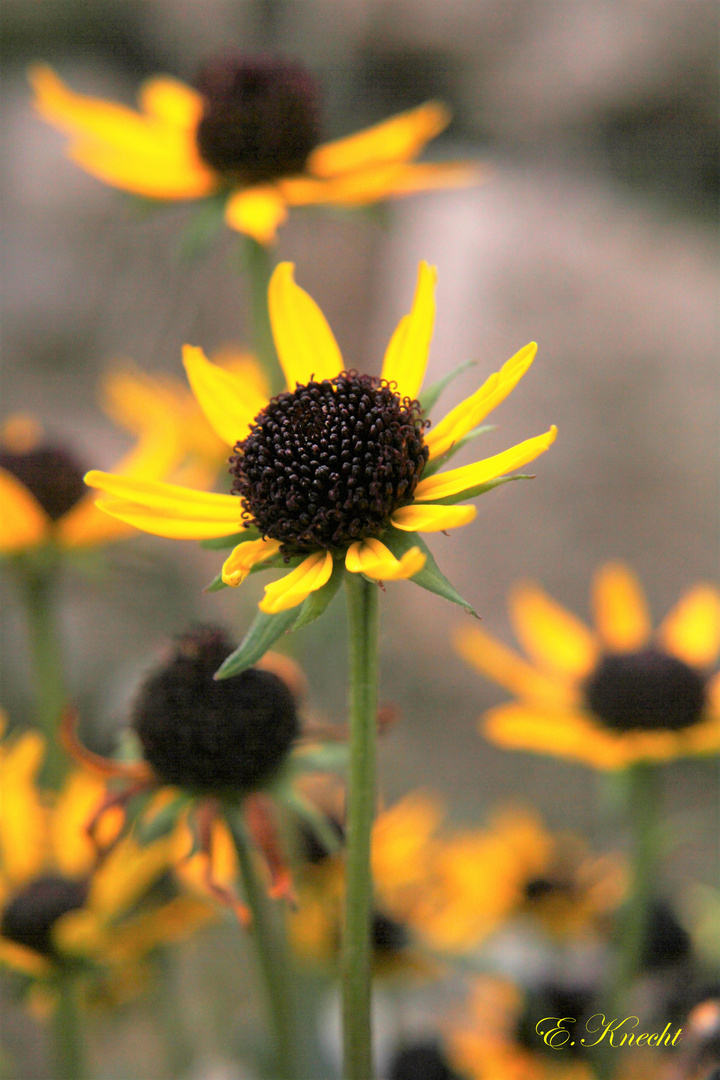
(23, 959)
(305, 344)
(171, 101)
(126, 874)
(23, 522)
(552, 636)
(291, 590)
(74, 852)
(449, 483)
(170, 499)
(504, 666)
(471, 412)
(396, 139)
(23, 818)
(407, 354)
(241, 560)
(692, 629)
(424, 517)
(620, 608)
(257, 211)
(229, 405)
(174, 176)
(373, 559)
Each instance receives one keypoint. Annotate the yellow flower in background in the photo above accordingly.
(338, 473)
(64, 897)
(251, 134)
(612, 697)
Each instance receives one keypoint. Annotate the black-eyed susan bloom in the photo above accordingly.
(250, 133)
(338, 473)
(611, 698)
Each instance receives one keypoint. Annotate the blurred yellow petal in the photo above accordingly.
(692, 629)
(415, 178)
(171, 176)
(395, 139)
(73, 850)
(305, 344)
(551, 635)
(424, 517)
(171, 101)
(456, 480)
(257, 211)
(173, 526)
(372, 558)
(473, 410)
(26, 961)
(23, 522)
(171, 922)
(229, 405)
(291, 590)
(376, 183)
(620, 608)
(126, 874)
(21, 433)
(241, 560)
(522, 727)
(23, 817)
(407, 354)
(504, 666)
(168, 498)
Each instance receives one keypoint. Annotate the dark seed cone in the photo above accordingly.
(261, 117)
(207, 735)
(327, 464)
(49, 473)
(645, 691)
(423, 1061)
(30, 916)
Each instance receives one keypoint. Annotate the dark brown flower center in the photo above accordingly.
(327, 464)
(645, 691)
(421, 1061)
(207, 735)
(261, 117)
(30, 916)
(49, 473)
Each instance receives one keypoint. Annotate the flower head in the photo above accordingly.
(610, 698)
(250, 132)
(339, 472)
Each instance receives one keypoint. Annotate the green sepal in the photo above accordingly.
(264, 631)
(432, 466)
(203, 228)
(219, 543)
(325, 757)
(316, 603)
(429, 397)
(430, 577)
(479, 489)
(162, 823)
(217, 584)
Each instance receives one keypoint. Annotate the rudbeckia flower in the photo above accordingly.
(249, 133)
(339, 473)
(612, 697)
(66, 899)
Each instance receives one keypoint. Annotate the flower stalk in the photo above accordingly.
(271, 950)
(362, 600)
(68, 1044)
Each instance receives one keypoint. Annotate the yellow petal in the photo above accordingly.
(173, 526)
(22, 959)
(551, 635)
(257, 211)
(168, 498)
(240, 562)
(74, 852)
(23, 522)
(424, 517)
(692, 629)
(305, 344)
(504, 666)
(522, 727)
(171, 101)
(23, 817)
(471, 412)
(396, 139)
(126, 874)
(435, 175)
(450, 483)
(174, 175)
(229, 405)
(620, 608)
(373, 559)
(291, 590)
(407, 354)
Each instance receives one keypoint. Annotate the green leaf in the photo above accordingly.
(216, 585)
(264, 631)
(219, 543)
(430, 577)
(479, 489)
(317, 601)
(161, 823)
(432, 466)
(429, 397)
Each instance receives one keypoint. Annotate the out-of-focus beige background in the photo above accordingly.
(594, 235)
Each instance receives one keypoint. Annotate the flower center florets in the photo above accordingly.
(644, 691)
(49, 473)
(30, 916)
(213, 735)
(327, 464)
(261, 117)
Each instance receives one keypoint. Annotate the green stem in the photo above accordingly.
(259, 263)
(271, 949)
(362, 600)
(67, 1031)
(47, 666)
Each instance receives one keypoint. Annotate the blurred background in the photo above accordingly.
(594, 234)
